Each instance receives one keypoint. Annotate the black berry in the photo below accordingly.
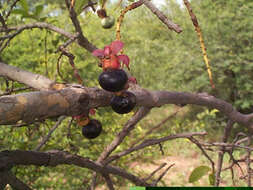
(113, 80)
(92, 129)
(123, 103)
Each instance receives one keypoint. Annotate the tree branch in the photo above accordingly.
(41, 25)
(30, 79)
(162, 17)
(14, 182)
(150, 142)
(55, 157)
(46, 138)
(82, 40)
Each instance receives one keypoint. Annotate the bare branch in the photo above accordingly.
(161, 176)
(162, 17)
(108, 181)
(41, 25)
(55, 157)
(30, 79)
(155, 127)
(46, 138)
(192, 139)
(82, 40)
(155, 171)
(248, 162)
(150, 142)
(141, 113)
(14, 182)
(222, 151)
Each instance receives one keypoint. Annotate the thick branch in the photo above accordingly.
(55, 157)
(76, 99)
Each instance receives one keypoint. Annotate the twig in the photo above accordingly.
(248, 161)
(202, 44)
(150, 142)
(19, 29)
(129, 126)
(162, 17)
(71, 58)
(155, 171)
(192, 139)
(108, 181)
(56, 157)
(161, 176)
(222, 151)
(46, 138)
(12, 6)
(82, 40)
(122, 14)
(15, 183)
(155, 127)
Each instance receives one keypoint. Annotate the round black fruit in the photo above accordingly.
(107, 22)
(123, 103)
(92, 129)
(113, 80)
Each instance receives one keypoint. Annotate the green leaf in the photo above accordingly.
(24, 5)
(198, 173)
(211, 178)
(79, 4)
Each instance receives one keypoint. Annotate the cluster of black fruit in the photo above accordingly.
(113, 80)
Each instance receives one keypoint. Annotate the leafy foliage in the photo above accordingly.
(159, 59)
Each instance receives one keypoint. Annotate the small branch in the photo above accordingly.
(42, 25)
(222, 151)
(12, 6)
(55, 157)
(161, 176)
(71, 58)
(192, 139)
(201, 40)
(156, 127)
(46, 138)
(155, 171)
(82, 40)
(122, 14)
(14, 182)
(129, 126)
(150, 142)
(108, 181)
(248, 162)
(30, 79)
(162, 17)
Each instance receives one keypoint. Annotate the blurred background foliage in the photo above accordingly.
(160, 60)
